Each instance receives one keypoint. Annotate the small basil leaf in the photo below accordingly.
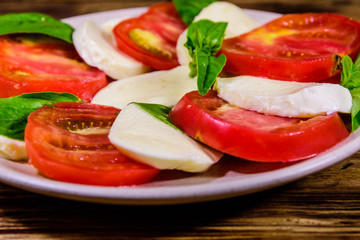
(216, 64)
(189, 9)
(357, 63)
(215, 36)
(35, 23)
(197, 33)
(355, 111)
(51, 97)
(202, 63)
(158, 111)
(193, 68)
(209, 67)
(204, 39)
(350, 78)
(15, 110)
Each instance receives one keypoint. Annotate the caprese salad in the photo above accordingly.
(176, 87)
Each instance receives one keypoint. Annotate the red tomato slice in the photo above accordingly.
(151, 38)
(295, 47)
(33, 63)
(69, 142)
(254, 136)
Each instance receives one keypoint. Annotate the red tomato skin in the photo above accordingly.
(83, 87)
(80, 158)
(304, 52)
(250, 135)
(162, 20)
(75, 174)
(298, 70)
(45, 66)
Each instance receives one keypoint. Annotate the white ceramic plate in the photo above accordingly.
(228, 178)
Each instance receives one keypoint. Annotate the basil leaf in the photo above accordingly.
(35, 23)
(355, 110)
(15, 110)
(202, 63)
(216, 64)
(204, 39)
(209, 67)
(50, 97)
(158, 111)
(347, 65)
(189, 9)
(350, 75)
(357, 63)
(350, 78)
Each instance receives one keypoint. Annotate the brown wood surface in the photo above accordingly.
(325, 205)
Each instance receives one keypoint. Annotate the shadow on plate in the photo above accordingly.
(226, 165)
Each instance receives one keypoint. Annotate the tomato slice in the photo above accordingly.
(254, 136)
(295, 47)
(34, 63)
(151, 38)
(69, 142)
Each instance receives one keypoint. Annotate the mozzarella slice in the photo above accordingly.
(161, 87)
(146, 139)
(182, 52)
(12, 149)
(97, 48)
(108, 26)
(238, 21)
(284, 98)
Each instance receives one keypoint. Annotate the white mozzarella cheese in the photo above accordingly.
(12, 149)
(97, 48)
(143, 137)
(284, 98)
(238, 21)
(161, 87)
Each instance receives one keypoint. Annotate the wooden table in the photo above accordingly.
(325, 205)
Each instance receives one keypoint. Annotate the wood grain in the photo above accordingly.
(325, 205)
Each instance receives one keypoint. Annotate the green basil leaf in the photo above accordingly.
(204, 39)
(357, 63)
(215, 36)
(189, 9)
(35, 23)
(206, 35)
(209, 67)
(202, 63)
(50, 97)
(196, 35)
(15, 110)
(355, 112)
(350, 78)
(216, 64)
(160, 112)
(350, 75)
(347, 66)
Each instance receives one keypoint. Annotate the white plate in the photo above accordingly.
(228, 178)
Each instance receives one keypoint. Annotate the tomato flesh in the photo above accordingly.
(295, 47)
(254, 136)
(158, 50)
(33, 63)
(69, 142)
